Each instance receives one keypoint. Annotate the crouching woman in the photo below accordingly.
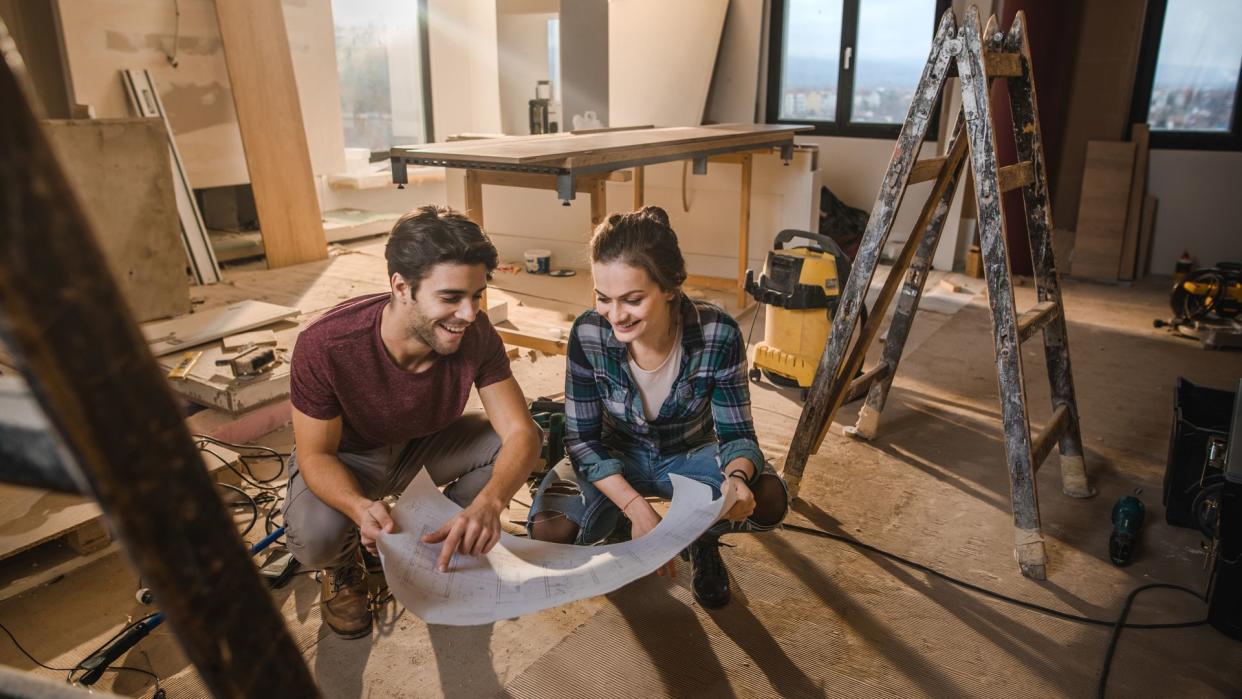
(655, 385)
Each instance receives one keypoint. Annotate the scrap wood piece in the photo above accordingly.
(168, 336)
(254, 337)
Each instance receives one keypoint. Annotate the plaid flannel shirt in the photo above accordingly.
(709, 400)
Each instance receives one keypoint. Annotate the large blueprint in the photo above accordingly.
(519, 575)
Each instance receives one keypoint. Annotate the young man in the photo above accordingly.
(379, 385)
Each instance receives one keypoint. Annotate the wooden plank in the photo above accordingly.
(599, 202)
(1002, 64)
(186, 331)
(1049, 435)
(1145, 233)
(639, 187)
(1035, 318)
(273, 133)
(926, 169)
(1134, 213)
(1017, 175)
(1102, 211)
(524, 339)
(241, 340)
(119, 169)
(550, 149)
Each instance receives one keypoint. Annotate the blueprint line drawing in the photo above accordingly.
(520, 576)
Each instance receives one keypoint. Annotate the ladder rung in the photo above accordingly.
(1016, 175)
(1050, 435)
(926, 169)
(862, 384)
(1000, 64)
(1035, 318)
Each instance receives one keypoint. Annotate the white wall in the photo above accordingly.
(103, 37)
(465, 81)
(1200, 210)
(523, 55)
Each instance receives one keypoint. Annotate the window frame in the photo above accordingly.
(424, 60)
(1144, 83)
(841, 124)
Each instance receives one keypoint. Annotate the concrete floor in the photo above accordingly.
(811, 616)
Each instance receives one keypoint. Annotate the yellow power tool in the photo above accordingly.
(801, 286)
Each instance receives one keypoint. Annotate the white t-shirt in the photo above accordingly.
(655, 384)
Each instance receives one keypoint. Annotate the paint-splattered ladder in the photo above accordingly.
(978, 56)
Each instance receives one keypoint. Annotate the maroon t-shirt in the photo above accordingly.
(341, 369)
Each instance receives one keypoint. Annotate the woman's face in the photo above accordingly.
(631, 301)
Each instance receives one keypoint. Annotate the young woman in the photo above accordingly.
(655, 385)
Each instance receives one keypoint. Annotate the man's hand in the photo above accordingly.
(373, 519)
(643, 519)
(744, 504)
(473, 531)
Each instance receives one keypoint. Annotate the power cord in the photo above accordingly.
(159, 691)
(1117, 624)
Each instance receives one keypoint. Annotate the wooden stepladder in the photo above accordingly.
(978, 56)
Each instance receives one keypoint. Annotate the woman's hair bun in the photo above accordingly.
(656, 214)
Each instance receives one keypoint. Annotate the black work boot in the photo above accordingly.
(711, 580)
(343, 593)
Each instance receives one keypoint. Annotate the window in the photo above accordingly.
(850, 67)
(1189, 72)
(381, 58)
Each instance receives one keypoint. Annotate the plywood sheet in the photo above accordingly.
(1102, 211)
(187, 331)
(121, 172)
(557, 150)
(660, 60)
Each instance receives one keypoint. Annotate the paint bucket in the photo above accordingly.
(538, 261)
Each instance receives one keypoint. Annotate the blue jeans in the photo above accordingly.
(596, 516)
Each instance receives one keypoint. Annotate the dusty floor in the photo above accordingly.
(811, 616)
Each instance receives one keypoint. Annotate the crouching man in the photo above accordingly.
(379, 386)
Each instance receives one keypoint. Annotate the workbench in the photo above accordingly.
(585, 161)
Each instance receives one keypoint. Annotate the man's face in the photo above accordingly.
(445, 304)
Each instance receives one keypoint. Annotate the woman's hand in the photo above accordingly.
(744, 504)
(643, 519)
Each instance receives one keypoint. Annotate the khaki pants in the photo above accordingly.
(460, 456)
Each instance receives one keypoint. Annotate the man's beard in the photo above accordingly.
(424, 329)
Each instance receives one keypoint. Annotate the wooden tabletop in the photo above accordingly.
(569, 150)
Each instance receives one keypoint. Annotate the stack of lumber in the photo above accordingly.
(1115, 213)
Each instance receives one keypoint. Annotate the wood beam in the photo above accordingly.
(256, 51)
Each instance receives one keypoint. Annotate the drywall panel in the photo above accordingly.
(103, 37)
(465, 77)
(121, 172)
(660, 60)
(523, 55)
(1200, 211)
(584, 59)
(733, 97)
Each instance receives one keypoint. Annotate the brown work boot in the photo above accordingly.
(343, 597)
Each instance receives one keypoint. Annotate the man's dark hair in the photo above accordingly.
(430, 235)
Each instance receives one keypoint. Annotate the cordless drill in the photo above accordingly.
(1127, 521)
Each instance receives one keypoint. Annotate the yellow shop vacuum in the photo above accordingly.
(801, 286)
